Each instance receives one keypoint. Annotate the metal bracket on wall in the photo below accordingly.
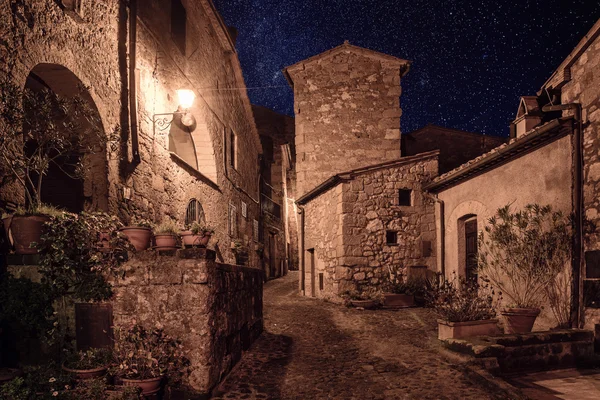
(163, 121)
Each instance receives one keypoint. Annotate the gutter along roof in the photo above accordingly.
(349, 175)
(532, 140)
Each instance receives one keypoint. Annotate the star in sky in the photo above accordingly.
(471, 59)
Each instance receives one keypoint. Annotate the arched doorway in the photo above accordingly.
(78, 180)
(467, 247)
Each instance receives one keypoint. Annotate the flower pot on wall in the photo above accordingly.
(26, 230)
(149, 386)
(138, 236)
(394, 300)
(165, 241)
(191, 240)
(459, 330)
(519, 320)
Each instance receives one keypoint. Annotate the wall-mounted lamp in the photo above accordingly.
(186, 100)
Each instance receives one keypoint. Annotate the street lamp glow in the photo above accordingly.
(186, 98)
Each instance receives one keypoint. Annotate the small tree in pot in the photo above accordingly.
(523, 253)
(42, 129)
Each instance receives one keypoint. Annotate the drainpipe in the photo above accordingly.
(132, 82)
(302, 263)
(442, 239)
(577, 311)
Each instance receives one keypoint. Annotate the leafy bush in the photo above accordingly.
(464, 300)
(89, 359)
(140, 353)
(524, 252)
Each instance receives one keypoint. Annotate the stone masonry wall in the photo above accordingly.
(346, 226)
(347, 112)
(370, 209)
(215, 309)
(161, 185)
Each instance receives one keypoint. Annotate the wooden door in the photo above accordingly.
(471, 249)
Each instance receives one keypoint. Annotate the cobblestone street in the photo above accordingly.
(316, 350)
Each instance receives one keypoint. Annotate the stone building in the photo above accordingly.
(132, 57)
(557, 129)
(456, 146)
(279, 221)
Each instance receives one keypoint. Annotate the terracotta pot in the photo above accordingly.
(519, 320)
(7, 374)
(191, 240)
(26, 230)
(165, 241)
(138, 236)
(148, 386)
(6, 222)
(83, 374)
(394, 300)
(366, 304)
(459, 330)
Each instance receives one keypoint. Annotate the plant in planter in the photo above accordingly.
(465, 308)
(367, 298)
(41, 130)
(197, 235)
(144, 357)
(523, 253)
(25, 226)
(139, 233)
(240, 251)
(89, 364)
(397, 292)
(166, 235)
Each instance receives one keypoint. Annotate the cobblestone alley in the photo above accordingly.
(311, 349)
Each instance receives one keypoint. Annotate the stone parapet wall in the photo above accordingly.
(215, 309)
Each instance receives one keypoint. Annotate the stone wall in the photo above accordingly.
(346, 226)
(161, 185)
(347, 110)
(215, 309)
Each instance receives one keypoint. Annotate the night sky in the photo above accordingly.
(471, 59)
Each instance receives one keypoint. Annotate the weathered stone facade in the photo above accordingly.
(215, 309)
(347, 111)
(346, 227)
(93, 46)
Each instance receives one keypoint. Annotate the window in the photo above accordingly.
(178, 24)
(233, 227)
(391, 237)
(194, 213)
(233, 149)
(404, 197)
(244, 210)
(255, 230)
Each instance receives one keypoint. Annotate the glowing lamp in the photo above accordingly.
(186, 98)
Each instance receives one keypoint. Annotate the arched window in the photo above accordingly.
(194, 213)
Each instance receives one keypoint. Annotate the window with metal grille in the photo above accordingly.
(404, 197)
(194, 212)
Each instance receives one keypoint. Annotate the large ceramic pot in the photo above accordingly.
(394, 300)
(148, 386)
(165, 241)
(26, 230)
(138, 236)
(519, 320)
(191, 240)
(459, 330)
(83, 374)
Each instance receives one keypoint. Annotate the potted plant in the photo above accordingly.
(465, 309)
(397, 292)
(240, 251)
(145, 357)
(368, 299)
(522, 253)
(165, 236)
(139, 233)
(25, 227)
(89, 364)
(42, 129)
(197, 235)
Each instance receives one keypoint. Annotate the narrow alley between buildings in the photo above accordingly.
(312, 349)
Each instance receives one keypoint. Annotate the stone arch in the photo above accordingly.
(91, 192)
(455, 230)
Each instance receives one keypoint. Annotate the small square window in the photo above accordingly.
(405, 197)
(391, 237)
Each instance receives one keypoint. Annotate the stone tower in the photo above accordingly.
(347, 106)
